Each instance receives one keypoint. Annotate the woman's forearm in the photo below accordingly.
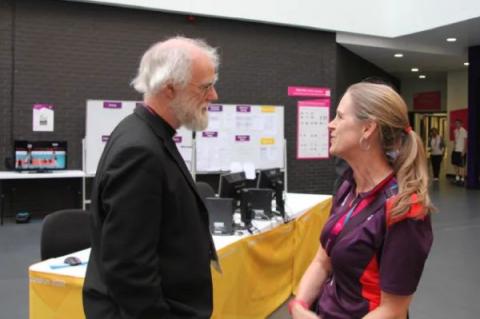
(314, 277)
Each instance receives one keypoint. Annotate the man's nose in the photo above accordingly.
(212, 94)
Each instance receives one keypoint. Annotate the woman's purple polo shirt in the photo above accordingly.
(373, 256)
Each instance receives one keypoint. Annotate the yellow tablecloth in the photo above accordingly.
(259, 273)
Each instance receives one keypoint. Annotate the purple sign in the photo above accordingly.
(242, 138)
(105, 138)
(112, 105)
(244, 108)
(215, 108)
(42, 106)
(210, 134)
(177, 139)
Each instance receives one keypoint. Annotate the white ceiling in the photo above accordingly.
(427, 50)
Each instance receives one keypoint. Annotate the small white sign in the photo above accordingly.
(43, 118)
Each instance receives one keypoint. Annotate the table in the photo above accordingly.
(260, 271)
(13, 175)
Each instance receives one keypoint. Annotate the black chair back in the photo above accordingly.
(205, 190)
(63, 232)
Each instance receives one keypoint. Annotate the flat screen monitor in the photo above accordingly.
(40, 155)
(273, 179)
(220, 211)
(230, 186)
(270, 178)
(255, 203)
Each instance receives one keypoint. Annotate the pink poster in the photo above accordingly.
(319, 102)
(308, 91)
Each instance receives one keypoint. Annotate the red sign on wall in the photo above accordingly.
(427, 101)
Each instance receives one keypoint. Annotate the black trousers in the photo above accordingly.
(436, 162)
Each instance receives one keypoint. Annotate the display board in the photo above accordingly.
(312, 129)
(103, 116)
(245, 135)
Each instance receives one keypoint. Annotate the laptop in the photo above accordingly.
(220, 212)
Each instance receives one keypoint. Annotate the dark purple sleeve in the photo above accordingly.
(405, 250)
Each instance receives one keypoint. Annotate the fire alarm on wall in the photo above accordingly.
(191, 18)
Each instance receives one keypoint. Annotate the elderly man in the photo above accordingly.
(151, 246)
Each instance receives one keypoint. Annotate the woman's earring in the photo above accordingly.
(364, 145)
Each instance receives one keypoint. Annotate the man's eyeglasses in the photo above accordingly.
(207, 87)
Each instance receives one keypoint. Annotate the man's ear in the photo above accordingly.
(170, 91)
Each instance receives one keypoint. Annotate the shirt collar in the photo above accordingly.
(376, 189)
(170, 130)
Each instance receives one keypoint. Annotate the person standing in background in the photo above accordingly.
(459, 155)
(437, 149)
(151, 244)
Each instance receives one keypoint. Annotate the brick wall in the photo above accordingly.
(6, 21)
(68, 52)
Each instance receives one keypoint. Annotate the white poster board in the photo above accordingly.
(43, 116)
(241, 135)
(313, 135)
(103, 116)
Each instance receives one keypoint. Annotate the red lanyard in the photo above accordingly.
(356, 205)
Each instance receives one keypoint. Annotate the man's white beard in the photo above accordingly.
(189, 113)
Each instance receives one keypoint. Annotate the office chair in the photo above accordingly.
(205, 190)
(63, 232)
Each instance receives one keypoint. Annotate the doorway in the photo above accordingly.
(423, 123)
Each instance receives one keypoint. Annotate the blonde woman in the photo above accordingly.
(375, 243)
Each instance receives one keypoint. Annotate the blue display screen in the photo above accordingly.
(40, 155)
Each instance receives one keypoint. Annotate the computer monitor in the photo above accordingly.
(230, 185)
(40, 155)
(273, 179)
(220, 212)
(255, 203)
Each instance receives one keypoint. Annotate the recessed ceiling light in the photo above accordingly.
(422, 76)
(414, 69)
(451, 39)
(466, 63)
(398, 55)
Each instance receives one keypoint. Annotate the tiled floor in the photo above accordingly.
(451, 279)
(448, 288)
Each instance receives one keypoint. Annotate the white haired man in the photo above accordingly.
(151, 245)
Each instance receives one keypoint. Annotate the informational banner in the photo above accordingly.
(241, 135)
(43, 118)
(308, 91)
(312, 129)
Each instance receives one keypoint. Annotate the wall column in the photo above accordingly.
(473, 151)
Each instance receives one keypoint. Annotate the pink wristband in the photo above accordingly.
(295, 301)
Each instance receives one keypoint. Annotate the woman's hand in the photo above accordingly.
(299, 312)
